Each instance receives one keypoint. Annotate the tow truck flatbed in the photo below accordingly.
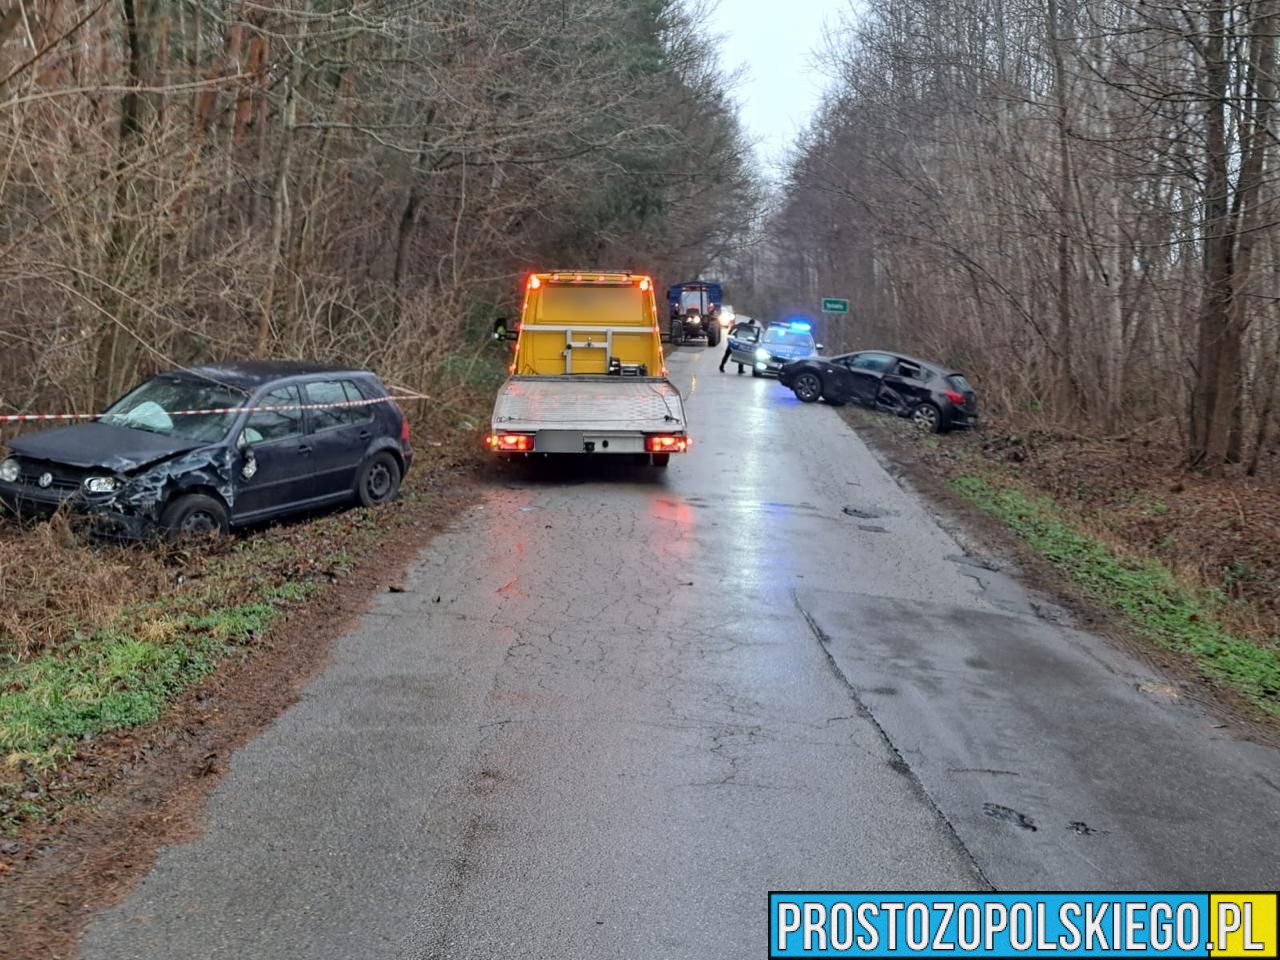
(628, 404)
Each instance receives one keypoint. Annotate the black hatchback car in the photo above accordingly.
(201, 450)
(933, 397)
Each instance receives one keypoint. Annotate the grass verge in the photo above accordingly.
(1151, 599)
(125, 666)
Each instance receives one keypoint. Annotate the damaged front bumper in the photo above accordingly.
(25, 500)
(102, 513)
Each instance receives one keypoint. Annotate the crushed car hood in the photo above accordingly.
(100, 445)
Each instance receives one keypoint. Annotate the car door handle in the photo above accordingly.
(304, 448)
(365, 434)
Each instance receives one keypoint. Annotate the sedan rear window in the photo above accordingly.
(336, 392)
(876, 362)
(155, 407)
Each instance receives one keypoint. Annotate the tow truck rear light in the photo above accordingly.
(510, 442)
(645, 283)
(666, 443)
(534, 282)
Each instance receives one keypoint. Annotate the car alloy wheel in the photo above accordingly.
(926, 417)
(808, 387)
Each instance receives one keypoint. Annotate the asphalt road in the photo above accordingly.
(615, 708)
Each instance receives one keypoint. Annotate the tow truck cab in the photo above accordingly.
(588, 374)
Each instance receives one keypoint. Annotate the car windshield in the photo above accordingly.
(153, 407)
(789, 338)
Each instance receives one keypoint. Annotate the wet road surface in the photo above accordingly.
(614, 708)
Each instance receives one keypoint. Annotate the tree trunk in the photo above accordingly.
(111, 342)
(1065, 387)
(1210, 420)
(280, 201)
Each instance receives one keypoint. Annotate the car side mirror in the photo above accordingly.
(820, 347)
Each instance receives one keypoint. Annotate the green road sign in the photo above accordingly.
(834, 305)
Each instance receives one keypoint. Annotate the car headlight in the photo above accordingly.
(9, 470)
(101, 484)
(762, 354)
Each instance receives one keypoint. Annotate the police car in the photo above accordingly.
(781, 344)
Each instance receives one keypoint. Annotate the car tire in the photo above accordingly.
(713, 335)
(378, 480)
(928, 417)
(807, 387)
(194, 515)
(661, 459)
(756, 373)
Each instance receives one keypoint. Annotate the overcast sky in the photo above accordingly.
(774, 42)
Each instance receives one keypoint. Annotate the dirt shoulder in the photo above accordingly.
(1130, 545)
(90, 825)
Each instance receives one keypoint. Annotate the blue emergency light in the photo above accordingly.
(800, 326)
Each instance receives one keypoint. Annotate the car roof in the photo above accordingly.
(945, 371)
(248, 374)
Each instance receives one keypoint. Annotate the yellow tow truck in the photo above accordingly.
(588, 374)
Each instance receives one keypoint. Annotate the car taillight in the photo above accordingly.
(404, 429)
(510, 442)
(956, 398)
(666, 443)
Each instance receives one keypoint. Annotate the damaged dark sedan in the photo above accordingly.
(933, 397)
(202, 450)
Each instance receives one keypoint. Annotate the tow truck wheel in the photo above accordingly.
(661, 459)
(194, 515)
(713, 335)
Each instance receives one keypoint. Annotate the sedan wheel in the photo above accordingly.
(192, 516)
(198, 523)
(807, 387)
(379, 480)
(927, 417)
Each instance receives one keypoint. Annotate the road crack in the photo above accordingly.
(897, 760)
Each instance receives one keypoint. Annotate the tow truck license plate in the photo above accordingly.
(558, 441)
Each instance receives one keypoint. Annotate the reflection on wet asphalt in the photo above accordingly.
(617, 705)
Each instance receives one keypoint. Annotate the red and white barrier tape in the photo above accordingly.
(273, 408)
